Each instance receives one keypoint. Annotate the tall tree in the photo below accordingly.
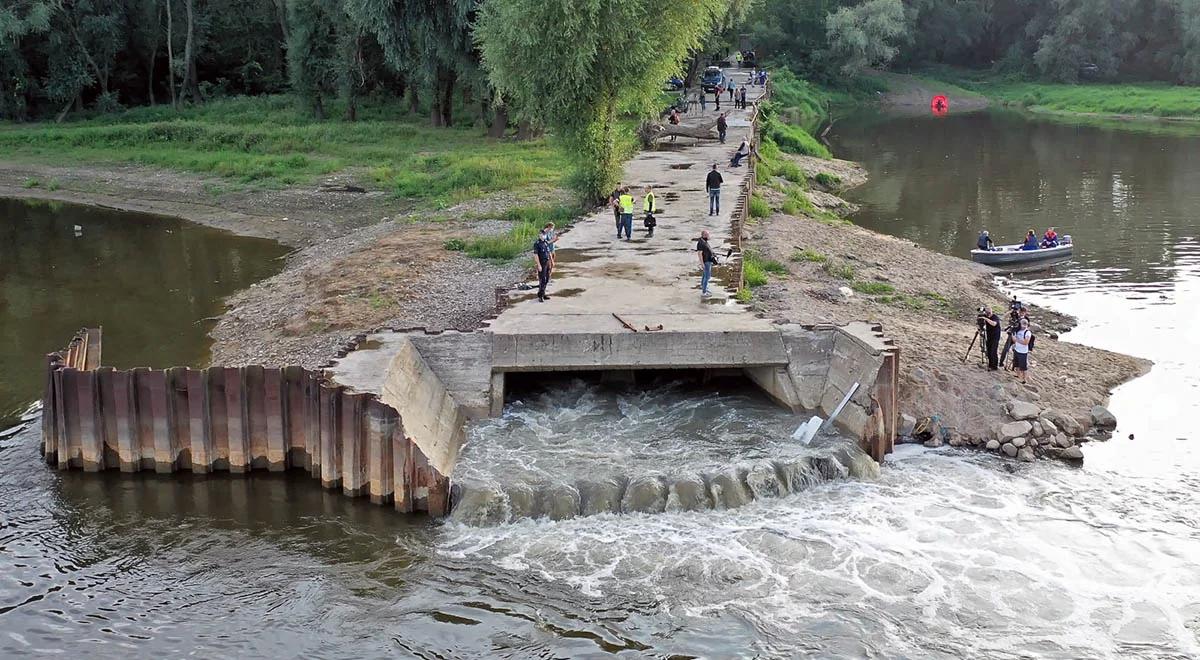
(571, 65)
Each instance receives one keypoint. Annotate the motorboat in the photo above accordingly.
(1007, 255)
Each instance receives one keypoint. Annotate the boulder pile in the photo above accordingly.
(1032, 432)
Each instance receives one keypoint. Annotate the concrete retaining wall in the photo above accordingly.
(231, 420)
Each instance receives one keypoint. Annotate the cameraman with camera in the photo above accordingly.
(1016, 312)
(989, 323)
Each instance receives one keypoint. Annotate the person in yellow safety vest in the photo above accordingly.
(738, 56)
(650, 206)
(626, 201)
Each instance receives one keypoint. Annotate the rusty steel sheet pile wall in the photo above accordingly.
(233, 420)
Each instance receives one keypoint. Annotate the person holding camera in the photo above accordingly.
(989, 322)
(1022, 342)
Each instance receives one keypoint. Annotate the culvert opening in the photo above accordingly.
(682, 166)
(584, 443)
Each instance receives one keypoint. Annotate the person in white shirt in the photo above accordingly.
(1022, 339)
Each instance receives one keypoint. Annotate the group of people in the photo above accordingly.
(1020, 338)
(1048, 240)
(623, 204)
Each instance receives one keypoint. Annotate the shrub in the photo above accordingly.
(873, 288)
(842, 271)
(828, 180)
(759, 207)
(809, 256)
(455, 245)
(743, 295)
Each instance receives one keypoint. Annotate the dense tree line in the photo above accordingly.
(1059, 40)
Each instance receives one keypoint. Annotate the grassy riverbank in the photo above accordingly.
(267, 142)
(1128, 100)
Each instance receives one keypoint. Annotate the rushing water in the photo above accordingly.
(149, 280)
(947, 554)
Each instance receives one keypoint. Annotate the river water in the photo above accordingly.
(148, 280)
(945, 554)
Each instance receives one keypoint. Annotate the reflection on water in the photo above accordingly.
(149, 280)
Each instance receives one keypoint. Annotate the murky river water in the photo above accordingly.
(947, 554)
(147, 279)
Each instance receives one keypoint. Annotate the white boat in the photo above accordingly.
(1005, 255)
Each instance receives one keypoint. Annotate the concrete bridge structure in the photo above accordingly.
(395, 406)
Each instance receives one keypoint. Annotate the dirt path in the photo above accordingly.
(926, 301)
(908, 94)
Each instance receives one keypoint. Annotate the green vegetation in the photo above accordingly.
(828, 180)
(518, 241)
(575, 81)
(809, 256)
(743, 295)
(269, 142)
(759, 207)
(31, 183)
(828, 41)
(872, 288)
(755, 268)
(842, 271)
(1157, 100)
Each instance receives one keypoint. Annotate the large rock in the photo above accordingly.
(1048, 426)
(1071, 454)
(1014, 430)
(993, 444)
(1037, 429)
(935, 441)
(1026, 455)
(1103, 419)
(1009, 449)
(1063, 440)
(1018, 442)
(1022, 410)
(907, 424)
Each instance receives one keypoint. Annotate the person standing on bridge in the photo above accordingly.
(713, 185)
(626, 201)
(722, 127)
(732, 90)
(650, 206)
(614, 201)
(707, 259)
(541, 260)
(742, 96)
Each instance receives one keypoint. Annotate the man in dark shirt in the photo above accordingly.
(722, 127)
(992, 328)
(713, 185)
(707, 259)
(541, 260)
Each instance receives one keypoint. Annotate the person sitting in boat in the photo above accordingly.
(1031, 241)
(1050, 238)
(985, 241)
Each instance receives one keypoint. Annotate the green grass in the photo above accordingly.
(1142, 99)
(1139, 99)
(828, 180)
(518, 240)
(268, 142)
(759, 207)
(872, 288)
(841, 271)
(31, 183)
(796, 203)
(755, 269)
(809, 256)
(743, 295)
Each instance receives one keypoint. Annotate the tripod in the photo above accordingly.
(982, 348)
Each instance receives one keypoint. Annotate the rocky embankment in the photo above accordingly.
(1033, 432)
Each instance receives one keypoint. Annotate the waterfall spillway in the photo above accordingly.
(577, 449)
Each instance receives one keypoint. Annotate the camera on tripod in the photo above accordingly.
(981, 315)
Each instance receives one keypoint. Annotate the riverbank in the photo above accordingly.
(1150, 102)
(826, 270)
